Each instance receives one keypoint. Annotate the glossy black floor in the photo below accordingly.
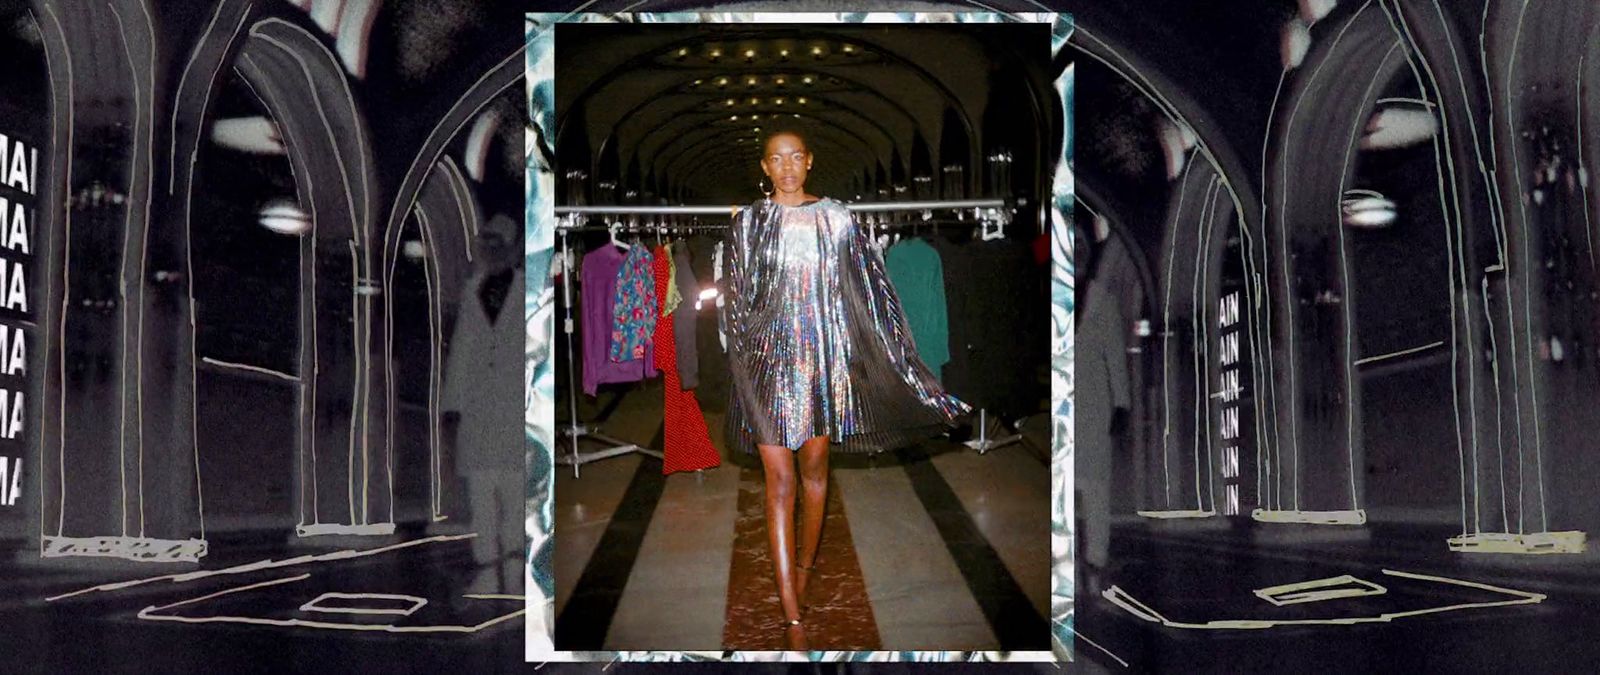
(101, 632)
(1184, 573)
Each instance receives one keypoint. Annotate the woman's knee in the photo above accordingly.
(814, 484)
(778, 465)
(814, 466)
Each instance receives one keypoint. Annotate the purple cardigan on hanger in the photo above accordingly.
(599, 273)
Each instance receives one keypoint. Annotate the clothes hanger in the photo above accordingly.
(633, 230)
(612, 227)
(993, 228)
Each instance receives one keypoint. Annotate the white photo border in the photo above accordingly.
(539, 311)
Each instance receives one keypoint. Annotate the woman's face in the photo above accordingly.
(786, 161)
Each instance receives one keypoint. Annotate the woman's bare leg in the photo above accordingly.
(814, 499)
(778, 463)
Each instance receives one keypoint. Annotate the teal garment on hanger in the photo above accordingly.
(917, 273)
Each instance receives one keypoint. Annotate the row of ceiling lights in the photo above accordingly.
(757, 101)
(753, 118)
(752, 81)
(817, 51)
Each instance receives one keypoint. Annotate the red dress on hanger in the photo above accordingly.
(688, 442)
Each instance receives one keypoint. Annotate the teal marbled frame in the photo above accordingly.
(540, 314)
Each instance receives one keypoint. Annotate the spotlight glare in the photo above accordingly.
(285, 217)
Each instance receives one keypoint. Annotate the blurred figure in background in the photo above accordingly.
(483, 401)
(1103, 396)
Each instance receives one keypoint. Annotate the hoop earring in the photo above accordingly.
(762, 186)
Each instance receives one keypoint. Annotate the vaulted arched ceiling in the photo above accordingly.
(687, 103)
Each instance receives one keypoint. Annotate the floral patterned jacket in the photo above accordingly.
(633, 313)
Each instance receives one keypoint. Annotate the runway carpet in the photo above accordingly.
(840, 617)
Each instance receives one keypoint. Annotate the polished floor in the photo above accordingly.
(933, 547)
(1437, 611)
(417, 607)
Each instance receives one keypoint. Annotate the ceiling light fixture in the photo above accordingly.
(285, 217)
(1367, 209)
(730, 101)
(816, 51)
(808, 79)
(778, 101)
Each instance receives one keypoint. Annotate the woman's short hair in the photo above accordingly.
(777, 130)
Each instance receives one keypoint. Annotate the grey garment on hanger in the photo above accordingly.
(684, 317)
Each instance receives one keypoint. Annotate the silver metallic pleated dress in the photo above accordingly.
(818, 344)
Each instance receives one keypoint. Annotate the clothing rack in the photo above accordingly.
(983, 443)
(992, 214)
(985, 212)
(681, 228)
(729, 209)
(574, 429)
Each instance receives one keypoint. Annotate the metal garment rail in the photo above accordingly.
(576, 431)
(564, 227)
(720, 210)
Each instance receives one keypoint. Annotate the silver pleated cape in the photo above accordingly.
(818, 344)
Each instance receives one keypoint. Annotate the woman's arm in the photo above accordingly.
(741, 279)
(865, 270)
(732, 280)
(865, 262)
